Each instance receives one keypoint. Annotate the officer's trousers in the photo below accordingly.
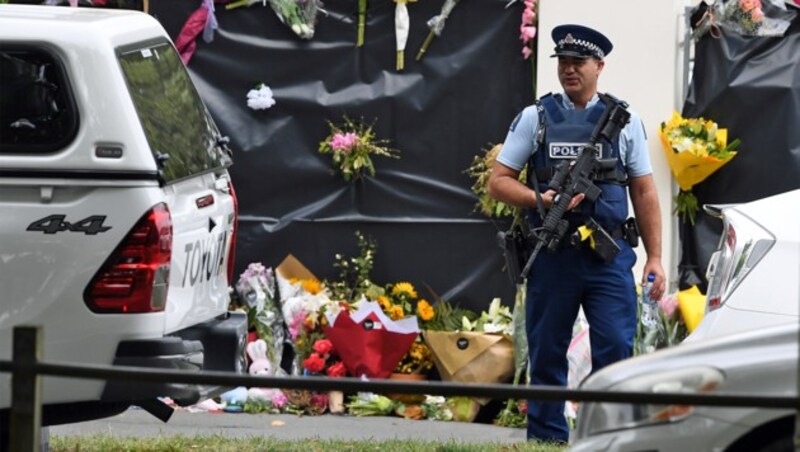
(558, 284)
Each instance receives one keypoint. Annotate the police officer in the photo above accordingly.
(543, 135)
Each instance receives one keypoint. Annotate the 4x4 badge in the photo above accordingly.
(55, 223)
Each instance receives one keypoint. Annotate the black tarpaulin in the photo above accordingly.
(751, 86)
(439, 113)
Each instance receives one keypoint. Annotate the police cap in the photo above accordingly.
(580, 42)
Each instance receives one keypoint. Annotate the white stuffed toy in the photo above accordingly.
(259, 365)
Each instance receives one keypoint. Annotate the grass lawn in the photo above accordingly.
(219, 443)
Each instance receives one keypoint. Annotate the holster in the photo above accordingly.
(516, 251)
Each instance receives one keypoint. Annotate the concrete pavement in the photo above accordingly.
(138, 423)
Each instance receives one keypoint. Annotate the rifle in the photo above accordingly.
(571, 179)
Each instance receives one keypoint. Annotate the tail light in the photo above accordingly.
(742, 245)
(135, 278)
(232, 249)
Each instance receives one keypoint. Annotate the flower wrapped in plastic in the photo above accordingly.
(368, 341)
(695, 148)
(299, 15)
(750, 18)
(436, 24)
(352, 146)
(256, 290)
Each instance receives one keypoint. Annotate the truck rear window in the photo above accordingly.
(182, 136)
(37, 113)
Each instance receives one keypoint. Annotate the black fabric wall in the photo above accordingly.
(751, 86)
(439, 113)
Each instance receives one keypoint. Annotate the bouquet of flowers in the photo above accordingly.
(255, 293)
(480, 170)
(744, 15)
(352, 146)
(695, 148)
(672, 328)
(400, 300)
(299, 15)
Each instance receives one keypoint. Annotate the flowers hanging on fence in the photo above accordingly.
(260, 97)
(352, 146)
(527, 29)
(401, 27)
(695, 149)
(747, 15)
(436, 24)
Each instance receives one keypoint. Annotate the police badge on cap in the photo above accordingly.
(580, 42)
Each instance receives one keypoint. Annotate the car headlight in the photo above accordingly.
(594, 418)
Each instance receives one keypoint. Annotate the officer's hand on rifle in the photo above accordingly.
(549, 195)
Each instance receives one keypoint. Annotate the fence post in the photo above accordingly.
(26, 388)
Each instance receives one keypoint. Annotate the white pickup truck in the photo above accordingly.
(117, 213)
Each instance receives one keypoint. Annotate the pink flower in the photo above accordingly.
(747, 5)
(344, 142)
(668, 305)
(526, 52)
(528, 16)
(295, 324)
(279, 400)
(527, 33)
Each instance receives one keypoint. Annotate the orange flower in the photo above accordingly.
(396, 312)
(312, 286)
(384, 302)
(425, 310)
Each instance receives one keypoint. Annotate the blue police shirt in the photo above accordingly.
(521, 138)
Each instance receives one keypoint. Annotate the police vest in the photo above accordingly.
(565, 132)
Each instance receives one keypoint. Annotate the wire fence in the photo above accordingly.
(27, 368)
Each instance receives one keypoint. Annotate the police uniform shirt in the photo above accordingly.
(521, 138)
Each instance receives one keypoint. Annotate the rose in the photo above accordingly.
(314, 363)
(318, 403)
(323, 347)
(336, 370)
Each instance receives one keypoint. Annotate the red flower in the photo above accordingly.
(314, 363)
(336, 370)
(323, 347)
(318, 403)
(523, 406)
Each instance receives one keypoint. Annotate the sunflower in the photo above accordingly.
(404, 288)
(312, 286)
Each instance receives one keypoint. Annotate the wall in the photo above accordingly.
(643, 69)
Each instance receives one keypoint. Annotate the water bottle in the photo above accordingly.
(650, 318)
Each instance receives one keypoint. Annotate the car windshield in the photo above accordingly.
(183, 138)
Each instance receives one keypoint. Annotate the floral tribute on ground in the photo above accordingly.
(352, 326)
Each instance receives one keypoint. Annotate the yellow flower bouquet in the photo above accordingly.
(695, 148)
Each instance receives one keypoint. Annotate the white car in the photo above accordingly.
(119, 217)
(756, 362)
(753, 275)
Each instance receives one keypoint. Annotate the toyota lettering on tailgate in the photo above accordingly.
(203, 259)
